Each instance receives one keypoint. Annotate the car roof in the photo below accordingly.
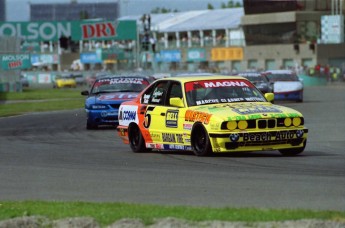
(253, 74)
(191, 74)
(124, 76)
(280, 71)
(201, 78)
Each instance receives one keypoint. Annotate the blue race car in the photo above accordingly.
(106, 95)
(286, 85)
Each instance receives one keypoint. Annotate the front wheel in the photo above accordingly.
(91, 126)
(136, 140)
(200, 140)
(293, 151)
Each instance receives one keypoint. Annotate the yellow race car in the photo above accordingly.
(209, 114)
(64, 81)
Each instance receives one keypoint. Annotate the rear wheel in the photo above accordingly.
(136, 140)
(201, 144)
(293, 151)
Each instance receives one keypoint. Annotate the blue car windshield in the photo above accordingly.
(109, 85)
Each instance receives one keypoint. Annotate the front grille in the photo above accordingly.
(266, 123)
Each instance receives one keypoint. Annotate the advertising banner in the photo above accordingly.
(15, 61)
(196, 55)
(332, 29)
(226, 54)
(90, 58)
(170, 56)
(76, 30)
(44, 59)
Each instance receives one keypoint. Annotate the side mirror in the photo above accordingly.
(176, 102)
(269, 97)
(85, 93)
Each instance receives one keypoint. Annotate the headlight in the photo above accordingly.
(98, 106)
(287, 122)
(296, 121)
(231, 125)
(242, 124)
(237, 124)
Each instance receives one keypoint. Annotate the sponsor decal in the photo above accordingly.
(171, 118)
(127, 80)
(122, 80)
(155, 146)
(269, 136)
(155, 136)
(214, 84)
(104, 114)
(256, 109)
(168, 137)
(175, 147)
(187, 126)
(214, 126)
(146, 98)
(208, 101)
(157, 96)
(128, 114)
(172, 138)
(122, 132)
(195, 116)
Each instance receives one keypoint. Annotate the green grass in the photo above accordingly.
(40, 94)
(40, 100)
(107, 213)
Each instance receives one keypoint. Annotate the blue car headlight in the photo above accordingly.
(98, 106)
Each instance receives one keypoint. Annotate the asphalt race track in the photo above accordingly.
(51, 156)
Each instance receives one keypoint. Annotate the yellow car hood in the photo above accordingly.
(247, 110)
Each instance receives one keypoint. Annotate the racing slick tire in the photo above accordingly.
(200, 141)
(91, 126)
(293, 151)
(136, 140)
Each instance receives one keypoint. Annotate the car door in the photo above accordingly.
(161, 118)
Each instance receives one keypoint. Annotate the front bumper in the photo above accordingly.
(102, 117)
(294, 95)
(258, 141)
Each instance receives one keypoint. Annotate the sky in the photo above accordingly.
(18, 10)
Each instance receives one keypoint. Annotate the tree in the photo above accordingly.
(162, 10)
(230, 4)
(210, 6)
(83, 15)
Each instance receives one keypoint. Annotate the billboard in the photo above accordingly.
(37, 31)
(15, 61)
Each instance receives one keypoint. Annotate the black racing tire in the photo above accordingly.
(201, 144)
(293, 151)
(136, 140)
(91, 126)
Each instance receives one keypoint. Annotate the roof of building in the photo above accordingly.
(229, 18)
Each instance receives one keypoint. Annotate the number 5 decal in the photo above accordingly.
(147, 116)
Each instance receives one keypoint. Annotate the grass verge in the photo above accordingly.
(40, 94)
(40, 100)
(107, 213)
